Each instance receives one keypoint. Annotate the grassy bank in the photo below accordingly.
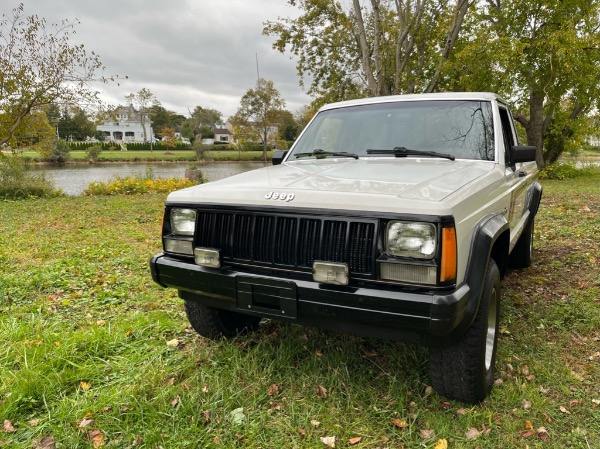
(95, 354)
(158, 156)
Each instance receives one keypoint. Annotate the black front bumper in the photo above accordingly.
(373, 312)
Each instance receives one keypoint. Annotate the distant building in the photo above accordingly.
(222, 135)
(126, 126)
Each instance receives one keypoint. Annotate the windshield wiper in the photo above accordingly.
(403, 151)
(319, 152)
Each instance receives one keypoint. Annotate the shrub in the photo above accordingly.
(60, 152)
(93, 152)
(562, 171)
(16, 182)
(135, 186)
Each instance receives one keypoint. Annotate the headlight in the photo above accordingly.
(410, 239)
(183, 221)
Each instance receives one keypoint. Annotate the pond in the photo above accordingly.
(73, 179)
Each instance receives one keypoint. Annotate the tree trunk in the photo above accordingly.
(364, 48)
(535, 130)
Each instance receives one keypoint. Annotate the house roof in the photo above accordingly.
(222, 131)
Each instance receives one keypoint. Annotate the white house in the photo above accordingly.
(126, 126)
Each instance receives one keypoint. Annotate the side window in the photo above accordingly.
(507, 133)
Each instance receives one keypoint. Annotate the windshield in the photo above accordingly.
(463, 129)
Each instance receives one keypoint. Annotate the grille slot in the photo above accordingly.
(280, 240)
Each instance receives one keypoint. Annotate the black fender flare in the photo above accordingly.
(487, 232)
(534, 202)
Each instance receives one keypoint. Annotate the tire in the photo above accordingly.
(522, 253)
(215, 324)
(465, 370)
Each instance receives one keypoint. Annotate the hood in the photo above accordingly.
(356, 184)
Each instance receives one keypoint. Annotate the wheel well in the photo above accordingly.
(500, 252)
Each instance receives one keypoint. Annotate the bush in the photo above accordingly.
(93, 153)
(135, 186)
(158, 146)
(60, 152)
(562, 171)
(16, 182)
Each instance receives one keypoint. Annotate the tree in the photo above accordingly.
(39, 66)
(168, 137)
(260, 110)
(163, 118)
(74, 124)
(543, 55)
(142, 101)
(199, 119)
(383, 48)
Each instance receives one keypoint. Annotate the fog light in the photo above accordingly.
(206, 257)
(414, 274)
(330, 273)
(179, 246)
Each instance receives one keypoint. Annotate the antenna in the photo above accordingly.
(257, 72)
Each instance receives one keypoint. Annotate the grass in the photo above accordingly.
(95, 354)
(158, 156)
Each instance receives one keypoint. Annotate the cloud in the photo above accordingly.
(188, 53)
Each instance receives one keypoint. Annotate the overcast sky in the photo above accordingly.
(187, 52)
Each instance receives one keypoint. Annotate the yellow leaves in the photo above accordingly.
(441, 444)
(85, 386)
(97, 438)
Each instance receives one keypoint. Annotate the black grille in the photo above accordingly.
(286, 241)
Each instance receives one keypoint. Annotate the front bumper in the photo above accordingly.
(373, 312)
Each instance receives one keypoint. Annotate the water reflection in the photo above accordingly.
(73, 179)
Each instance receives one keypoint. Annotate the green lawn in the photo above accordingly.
(95, 354)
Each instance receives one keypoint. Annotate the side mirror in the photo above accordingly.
(522, 153)
(278, 157)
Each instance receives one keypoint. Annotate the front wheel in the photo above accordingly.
(522, 253)
(214, 323)
(465, 370)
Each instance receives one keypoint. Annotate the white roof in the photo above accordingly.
(481, 96)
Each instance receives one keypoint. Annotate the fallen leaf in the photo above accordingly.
(84, 422)
(548, 418)
(426, 433)
(175, 402)
(237, 415)
(461, 411)
(8, 427)
(85, 386)
(428, 390)
(171, 381)
(527, 433)
(97, 438)
(400, 423)
(441, 444)
(206, 416)
(526, 404)
(321, 391)
(138, 440)
(328, 441)
(472, 433)
(100, 323)
(543, 390)
(173, 343)
(528, 425)
(596, 401)
(275, 406)
(575, 402)
(45, 443)
(542, 434)
(34, 422)
(525, 370)
(205, 388)
(315, 423)
(302, 432)
(353, 441)
(564, 410)
(319, 354)
(444, 405)
(273, 389)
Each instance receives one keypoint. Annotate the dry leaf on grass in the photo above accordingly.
(426, 433)
(84, 422)
(273, 389)
(353, 441)
(173, 343)
(400, 423)
(45, 443)
(8, 427)
(85, 386)
(472, 433)
(441, 444)
(97, 438)
(321, 391)
(328, 441)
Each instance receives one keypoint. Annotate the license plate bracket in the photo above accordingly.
(267, 296)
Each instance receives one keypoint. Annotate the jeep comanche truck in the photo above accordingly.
(390, 217)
